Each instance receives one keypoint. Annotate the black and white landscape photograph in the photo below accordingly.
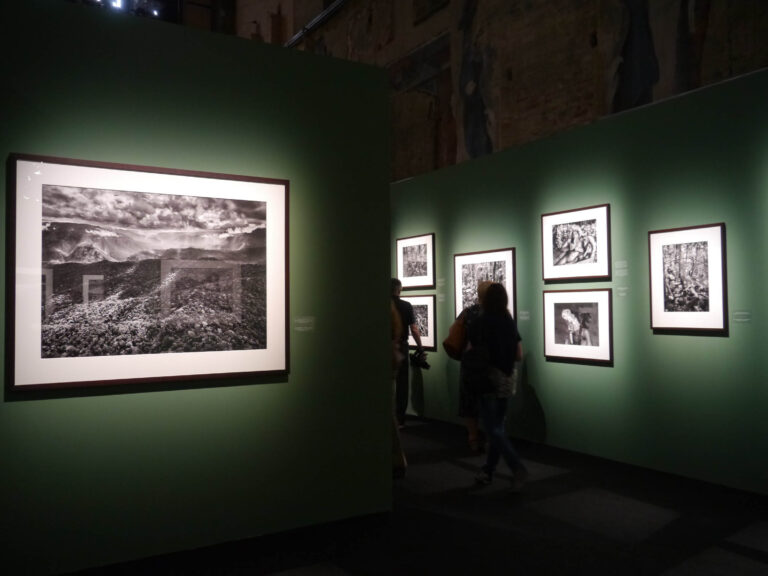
(474, 273)
(415, 260)
(141, 273)
(424, 313)
(574, 243)
(686, 277)
(421, 313)
(577, 323)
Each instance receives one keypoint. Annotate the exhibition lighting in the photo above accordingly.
(117, 3)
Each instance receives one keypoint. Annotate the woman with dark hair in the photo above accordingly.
(495, 332)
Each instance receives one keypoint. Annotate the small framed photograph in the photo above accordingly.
(578, 326)
(688, 279)
(122, 274)
(472, 268)
(424, 311)
(576, 244)
(416, 261)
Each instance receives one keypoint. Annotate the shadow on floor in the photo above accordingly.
(577, 515)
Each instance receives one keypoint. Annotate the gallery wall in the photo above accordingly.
(692, 405)
(99, 476)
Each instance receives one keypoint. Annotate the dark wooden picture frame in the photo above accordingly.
(426, 320)
(689, 280)
(576, 244)
(471, 268)
(578, 326)
(124, 274)
(416, 261)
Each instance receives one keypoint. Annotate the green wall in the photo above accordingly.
(93, 479)
(690, 405)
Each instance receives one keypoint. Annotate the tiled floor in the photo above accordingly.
(577, 515)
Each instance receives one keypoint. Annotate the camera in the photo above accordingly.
(419, 360)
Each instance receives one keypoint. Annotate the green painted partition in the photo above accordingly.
(690, 405)
(91, 479)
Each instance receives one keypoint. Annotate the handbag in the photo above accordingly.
(456, 340)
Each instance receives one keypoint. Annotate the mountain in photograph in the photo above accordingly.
(139, 273)
(69, 242)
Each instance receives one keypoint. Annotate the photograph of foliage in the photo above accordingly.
(138, 266)
(470, 269)
(578, 326)
(688, 279)
(575, 244)
(424, 311)
(416, 261)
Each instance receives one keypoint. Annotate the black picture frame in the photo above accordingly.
(688, 280)
(578, 326)
(123, 274)
(576, 244)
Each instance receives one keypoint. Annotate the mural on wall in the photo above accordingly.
(512, 72)
(638, 70)
(477, 139)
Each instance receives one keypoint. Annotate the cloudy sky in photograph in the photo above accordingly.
(151, 212)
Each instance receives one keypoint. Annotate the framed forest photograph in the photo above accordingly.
(578, 326)
(416, 261)
(472, 268)
(124, 274)
(688, 279)
(424, 311)
(576, 244)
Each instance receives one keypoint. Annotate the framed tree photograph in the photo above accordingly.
(121, 274)
(578, 326)
(576, 244)
(472, 268)
(416, 261)
(424, 311)
(688, 279)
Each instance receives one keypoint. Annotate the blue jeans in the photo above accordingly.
(493, 412)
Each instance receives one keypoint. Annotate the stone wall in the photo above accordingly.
(470, 77)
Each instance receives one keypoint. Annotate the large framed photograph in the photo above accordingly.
(416, 261)
(472, 268)
(424, 311)
(123, 274)
(578, 326)
(688, 279)
(576, 244)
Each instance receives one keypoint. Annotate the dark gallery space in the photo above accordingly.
(205, 207)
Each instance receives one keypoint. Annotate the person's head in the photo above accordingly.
(496, 300)
(395, 286)
(482, 287)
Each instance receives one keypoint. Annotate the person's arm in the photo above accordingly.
(519, 352)
(416, 335)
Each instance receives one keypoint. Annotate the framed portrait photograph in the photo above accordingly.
(576, 244)
(688, 279)
(121, 274)
(424, 311)
(416, 261)
(578, 326)
(472, 268)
